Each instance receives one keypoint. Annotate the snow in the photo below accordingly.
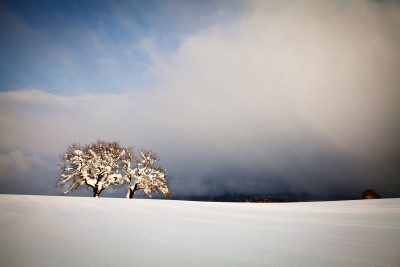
(75, 231)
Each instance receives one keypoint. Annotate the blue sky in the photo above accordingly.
(254, 97)
(94, 46)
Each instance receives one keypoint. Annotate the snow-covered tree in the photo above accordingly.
(102, 165)
(147, 176)
(99, 165)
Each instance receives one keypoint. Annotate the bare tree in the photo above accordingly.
(102, 165)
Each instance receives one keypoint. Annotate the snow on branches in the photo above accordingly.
(148, 176)
(102, 165)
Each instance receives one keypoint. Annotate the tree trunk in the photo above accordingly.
(131, 191)
(96, 192)
(128, 193)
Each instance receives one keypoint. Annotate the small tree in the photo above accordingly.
(370, 194)
(147, 176)
(102, 165)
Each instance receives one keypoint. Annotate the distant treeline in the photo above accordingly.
(277, 198)
(264, 200)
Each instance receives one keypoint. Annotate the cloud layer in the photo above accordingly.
(298, 97)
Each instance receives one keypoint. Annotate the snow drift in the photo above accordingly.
(74, 231)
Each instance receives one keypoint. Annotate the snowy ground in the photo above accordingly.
(73, 231)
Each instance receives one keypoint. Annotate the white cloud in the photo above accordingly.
(288, 70)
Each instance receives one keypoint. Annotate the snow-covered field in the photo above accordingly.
(74, 231)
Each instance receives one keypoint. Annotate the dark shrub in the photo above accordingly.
(370, 194)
